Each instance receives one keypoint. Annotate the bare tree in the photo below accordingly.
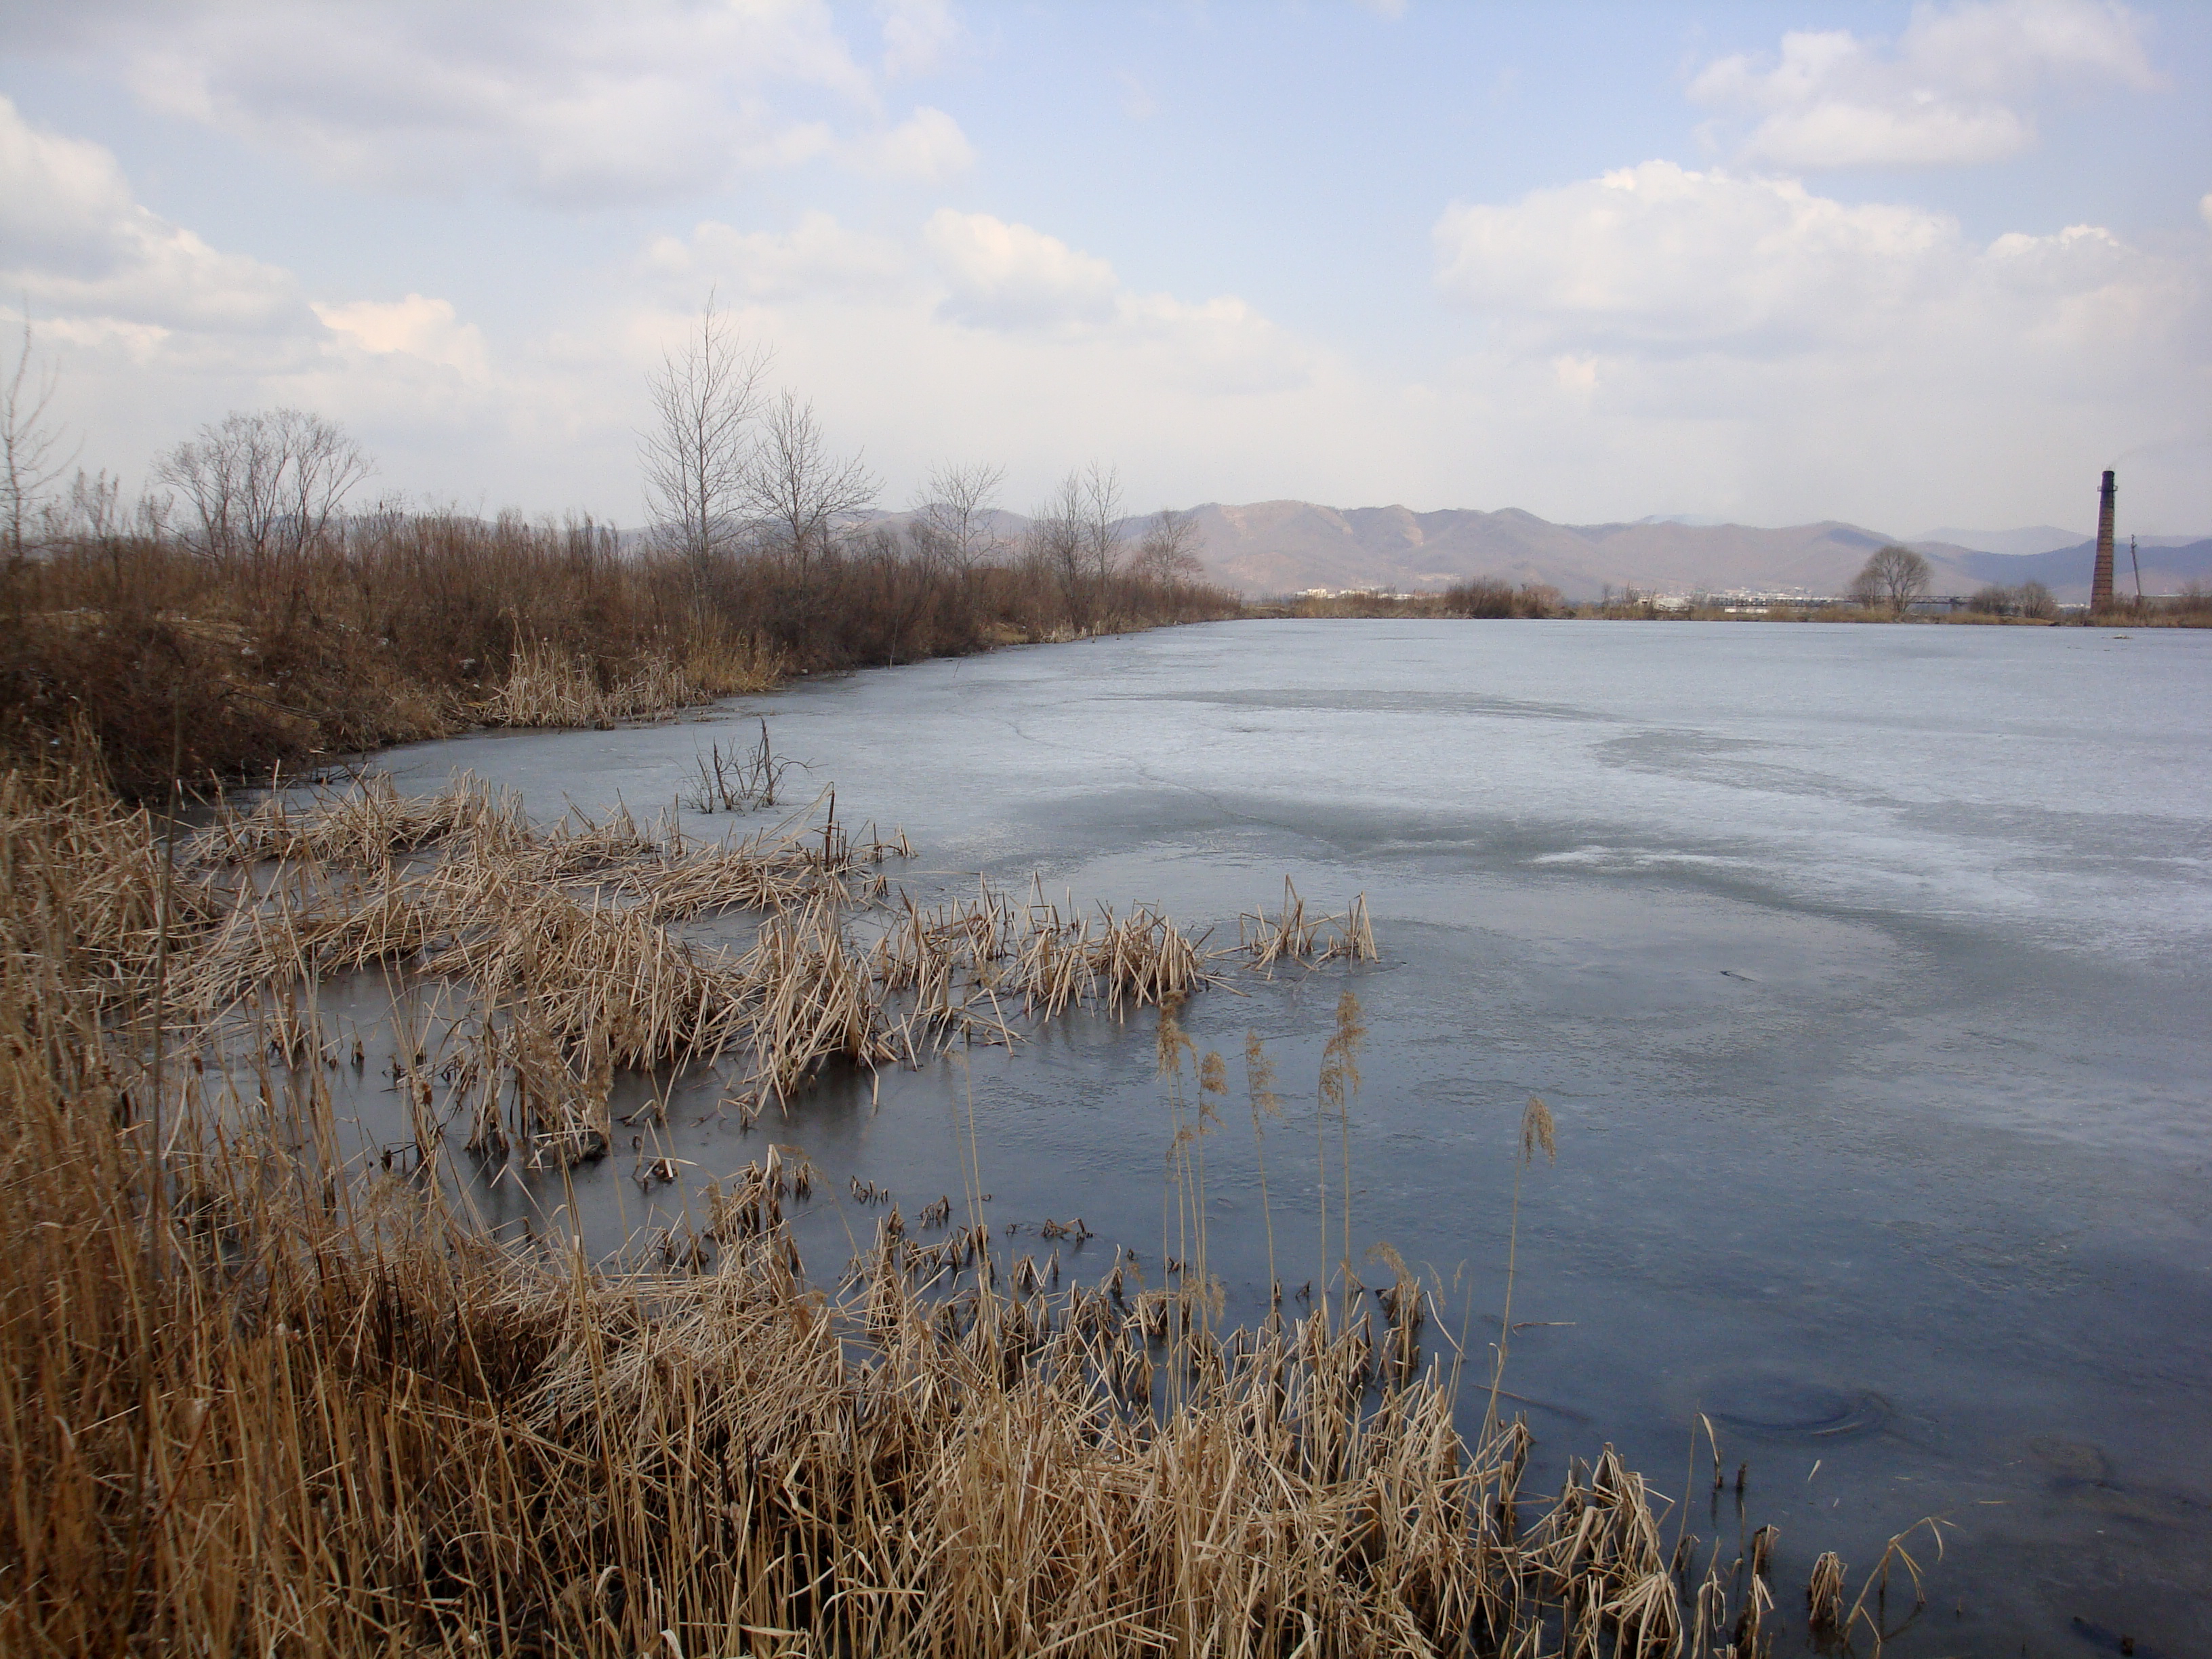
(1056, 546)
(1892, 576)
(705, 397)
(1102, 522)
(90, 512)
(953, 515)
(30, 446)
(1168, 552)
(1076, 539)
(263, 487)
(796, 490)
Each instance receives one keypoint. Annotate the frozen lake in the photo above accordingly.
(1865, 969)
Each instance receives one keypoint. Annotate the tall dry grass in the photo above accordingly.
(257, 1397)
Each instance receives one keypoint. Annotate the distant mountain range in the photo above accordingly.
(2033, 538)
(1286, 547)
(1270, 549)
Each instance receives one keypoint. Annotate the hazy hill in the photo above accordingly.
(1280, 547)
(1269, 547)
(2030, 538)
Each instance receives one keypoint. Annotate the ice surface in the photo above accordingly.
(1865, 968)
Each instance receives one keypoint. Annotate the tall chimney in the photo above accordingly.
(2101, 583)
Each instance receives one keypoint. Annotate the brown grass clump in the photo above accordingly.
(562, 938)
(391, 1434)
(1052, 957)
(585, 973)
(812, 998)
(743, 780)
(1824, 1593)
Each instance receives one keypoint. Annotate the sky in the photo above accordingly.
(1902, 264)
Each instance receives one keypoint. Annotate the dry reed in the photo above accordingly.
(547, 686)
(255, 1398)
(1312, 941)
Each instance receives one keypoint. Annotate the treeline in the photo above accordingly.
(185, 657)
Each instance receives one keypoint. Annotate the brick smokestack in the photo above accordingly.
(2101, 583)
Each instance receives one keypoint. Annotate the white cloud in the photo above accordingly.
(818, 258)
(154, 331)
(1661, 261)
(1010, 275)
(1222, 346)
(584, 102)
(74, 240)
(1764, 348)
(928, 147)
(1956, 88)
(1661, 256)
(415, 327)
(917, 34)
(1014, 278)
(964, 331)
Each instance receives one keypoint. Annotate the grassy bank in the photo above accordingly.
(407, 627)
(258, 1395)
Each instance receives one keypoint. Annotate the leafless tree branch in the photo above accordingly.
(30, 445)
(264, 486)
(1168, 549)
(953, 517)
(796, 490)
(706, 398)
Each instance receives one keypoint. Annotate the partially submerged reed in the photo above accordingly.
(743, 780)
(1293, 936)
(255, 1397)
(567, 937)
(366, 825)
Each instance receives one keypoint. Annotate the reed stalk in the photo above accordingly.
(1260, 1088)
